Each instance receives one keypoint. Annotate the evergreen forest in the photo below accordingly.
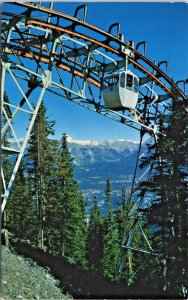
(47, 210)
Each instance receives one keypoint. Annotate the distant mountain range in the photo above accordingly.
(97, 161)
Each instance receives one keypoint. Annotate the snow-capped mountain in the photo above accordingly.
(97, 161)
(93, 151)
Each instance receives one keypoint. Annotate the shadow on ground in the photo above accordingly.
(84, 284)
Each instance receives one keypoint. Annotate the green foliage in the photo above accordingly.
(122, 215)
(95, 237)
(111, 248)
(133, 233)
(169, 215)
(19, 210)
(40, 168)
(70, 217)
(46, 206)
(108, 195)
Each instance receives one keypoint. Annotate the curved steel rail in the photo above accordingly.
(110, 37)
(105, 45)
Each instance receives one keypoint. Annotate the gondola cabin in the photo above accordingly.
(120, 90)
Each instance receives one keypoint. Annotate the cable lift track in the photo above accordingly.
(39, 53)
(104, 45)
(108, 37)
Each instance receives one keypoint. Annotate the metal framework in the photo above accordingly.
(44, 50)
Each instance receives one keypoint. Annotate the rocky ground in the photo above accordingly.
(23, 279)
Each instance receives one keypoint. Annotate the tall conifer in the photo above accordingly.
(40, 163)
(111, 248)
(111, 245)
(70, 209)
(19, 207)
(95, 237)
(108, 195)
(169, 189)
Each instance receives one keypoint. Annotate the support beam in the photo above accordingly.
(46, 79)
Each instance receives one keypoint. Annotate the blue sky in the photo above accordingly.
(162, 25)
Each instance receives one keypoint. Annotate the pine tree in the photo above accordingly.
(19, 207)
(95, 237)
(108, 195)
(169, 188)
(111, 248)
(122, 214)
(17, 216)
(40, 165)
(70, 219)
(133, 233)
(174, 193)
(51, 212)
(111, 245)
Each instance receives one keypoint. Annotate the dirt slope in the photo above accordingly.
(23, 279)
